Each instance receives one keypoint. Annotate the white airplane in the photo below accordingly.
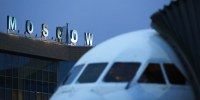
(133, 66)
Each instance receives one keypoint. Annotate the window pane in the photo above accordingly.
(49, 95)
(92, 73)
(26, 95)
(15, 72)
(21, 84)
(2, 71)
(122, 72)
(33, 74)
(39, 75)
(20, 95)
(45, 76)
(2, 82)
(45, 87)
(174, 75)
(15, 83)
(8, 94)
(14, 94)
(27, 73)
(52, 77)
(2, 94)
(9, 72)
(8, 82)
(33, 85)
(27, 84)
(32, 96)
(74, 72)
(52, 87)
(39, 86)
(152, 74)
(44, 96)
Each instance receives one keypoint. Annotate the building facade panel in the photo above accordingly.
(28, 72)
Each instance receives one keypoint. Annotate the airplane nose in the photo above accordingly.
(79, 95)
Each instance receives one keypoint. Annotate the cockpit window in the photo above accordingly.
(122, 72)
(92, 72)
(152, 74)
(73, 73)
(174, 75)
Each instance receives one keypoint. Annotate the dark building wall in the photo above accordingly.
(31, 69)
(25, 78)
(38, 47)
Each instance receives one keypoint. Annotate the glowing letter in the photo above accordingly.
(29, 27)
(59, 31)
(11, 23)
(45, 31)
(88, 39)
(74, 37)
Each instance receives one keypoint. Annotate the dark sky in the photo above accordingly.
(103, 18)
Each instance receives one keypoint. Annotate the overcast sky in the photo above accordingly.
(103, 18)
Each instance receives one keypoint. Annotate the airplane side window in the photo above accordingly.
(92, 72)
(174, 75)
(122, 72)
(152, 74)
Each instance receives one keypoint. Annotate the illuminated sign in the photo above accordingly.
(74, 37)
(62, 36)
(29, 27)
(88, 39)
(45, 31)
(59, 31)
(11, 24)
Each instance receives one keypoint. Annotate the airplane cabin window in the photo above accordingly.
(174, 75)
(152, 74)
(92, 73)
(73, 73)
(122, 72)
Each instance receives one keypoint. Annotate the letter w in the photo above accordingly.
(88, 39)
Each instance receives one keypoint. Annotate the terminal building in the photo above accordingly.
(31, 69)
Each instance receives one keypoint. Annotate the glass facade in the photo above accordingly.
(30, 78)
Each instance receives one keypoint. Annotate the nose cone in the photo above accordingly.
(78, 95)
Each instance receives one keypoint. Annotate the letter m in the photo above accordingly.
(11, 23)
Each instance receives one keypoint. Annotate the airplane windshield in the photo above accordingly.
(122, 72)
(92, 72)
(73, 73)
